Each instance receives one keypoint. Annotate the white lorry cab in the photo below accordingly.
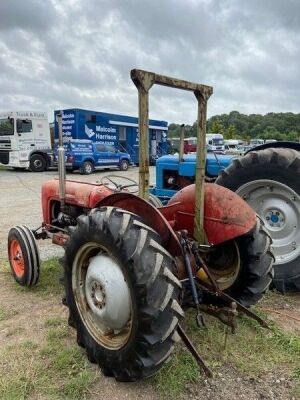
(25, 140)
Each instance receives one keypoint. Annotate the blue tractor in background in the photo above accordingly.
(267, 177)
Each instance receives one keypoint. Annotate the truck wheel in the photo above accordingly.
(155, 201)
(87, 168)
(269, 180)
(122, 295)
(124, 165)
(23, 256)
(37, 163)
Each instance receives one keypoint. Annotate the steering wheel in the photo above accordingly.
(119, 186)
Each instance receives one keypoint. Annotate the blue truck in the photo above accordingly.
(86, 156)
(268, 178)
(115, 130)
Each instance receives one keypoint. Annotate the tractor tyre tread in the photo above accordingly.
(257, 260)
(155, 201)
(155, 290)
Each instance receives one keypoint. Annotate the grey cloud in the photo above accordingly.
(31, 15)
(56, 54)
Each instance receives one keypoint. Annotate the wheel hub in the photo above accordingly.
(107, 292)
(37, 163)
(274, 218)
(102, 295)
(97, 293)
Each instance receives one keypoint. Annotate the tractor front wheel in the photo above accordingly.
(122, 295)
(23, 256)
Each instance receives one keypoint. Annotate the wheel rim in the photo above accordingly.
(279, 207)
(16, 258)
(124, 166)
(224, 264)
(37, 164)
(88, 168)
(102, 296)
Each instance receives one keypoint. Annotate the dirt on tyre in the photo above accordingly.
(124, 165)
(23, 256)
(38, 163)
(87, 168)
(269, 181)
(121, 292)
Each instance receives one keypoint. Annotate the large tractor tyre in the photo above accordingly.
(155, 201)
(242, 268)
(37, 163)
(256, 266)
(23, 255)
(269, 180)
(87, 168)
(122, 295)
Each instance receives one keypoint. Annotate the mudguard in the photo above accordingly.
(226, 215)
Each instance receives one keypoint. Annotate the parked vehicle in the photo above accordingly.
(256, 142)
(86, 156)
(25, 140)
(120, 131)
(232, 146)
(268, 178)
(130, 268)
(190, 145)
(215, 142)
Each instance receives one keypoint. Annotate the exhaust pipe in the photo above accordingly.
(181, 146)
(61, 164)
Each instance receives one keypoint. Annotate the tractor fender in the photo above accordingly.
(226, 215)
(150, 215)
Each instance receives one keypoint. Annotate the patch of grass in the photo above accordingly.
(54, 335)
(14, 331)
(6, 314)
(57, 370)
(19, 372)
(55, 322)
(253, 351)
(49, 283)
(180, 370)
(77, 387)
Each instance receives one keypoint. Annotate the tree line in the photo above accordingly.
(278, 126)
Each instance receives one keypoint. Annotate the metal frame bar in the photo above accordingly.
(144, 80)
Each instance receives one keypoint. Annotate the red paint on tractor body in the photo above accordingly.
(227, 216)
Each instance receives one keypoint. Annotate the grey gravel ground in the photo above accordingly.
(20, 201)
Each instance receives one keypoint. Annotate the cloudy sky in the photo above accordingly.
(57, 54)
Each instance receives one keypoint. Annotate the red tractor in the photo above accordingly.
(131, 268)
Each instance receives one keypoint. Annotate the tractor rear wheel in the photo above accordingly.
(122, 295)
(23, 255)
(243, 267)
(269, 181)
(155, 201)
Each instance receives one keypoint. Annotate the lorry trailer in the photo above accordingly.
(115, 130)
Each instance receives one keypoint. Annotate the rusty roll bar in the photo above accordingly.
(144, 80)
